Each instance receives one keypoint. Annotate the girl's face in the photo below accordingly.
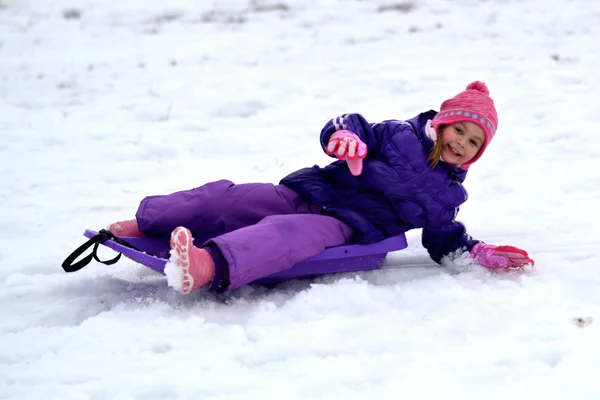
(461, 142)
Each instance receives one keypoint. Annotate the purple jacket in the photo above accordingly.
(397, 190)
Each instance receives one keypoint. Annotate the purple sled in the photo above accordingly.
(346, 258)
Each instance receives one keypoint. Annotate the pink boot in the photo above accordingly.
(189, 267)
(127, 228)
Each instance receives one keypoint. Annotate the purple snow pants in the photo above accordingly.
(259, 228)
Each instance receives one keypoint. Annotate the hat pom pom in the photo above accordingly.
(479, 86)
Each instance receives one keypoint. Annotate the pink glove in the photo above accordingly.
(346, 145)
(500, 257)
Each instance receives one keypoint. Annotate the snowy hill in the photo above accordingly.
(105, 102)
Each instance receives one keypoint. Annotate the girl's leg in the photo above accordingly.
(276, 243)
(273, 245)
(217, 208)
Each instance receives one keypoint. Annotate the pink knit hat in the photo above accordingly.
(473, 105)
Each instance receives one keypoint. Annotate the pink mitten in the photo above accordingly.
(500, 257)
(346, 145)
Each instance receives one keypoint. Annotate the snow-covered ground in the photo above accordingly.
(103, 102)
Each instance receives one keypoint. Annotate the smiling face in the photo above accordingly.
(461, 142)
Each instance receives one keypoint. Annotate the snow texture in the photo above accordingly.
(174, 274)
(103, 102)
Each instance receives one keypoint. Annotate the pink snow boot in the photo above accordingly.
(127, 228)
(189, 267)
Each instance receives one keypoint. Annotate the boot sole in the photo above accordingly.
(181, 242)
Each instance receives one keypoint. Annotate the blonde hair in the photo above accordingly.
(436, 151)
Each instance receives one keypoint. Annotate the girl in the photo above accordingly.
(391, 176)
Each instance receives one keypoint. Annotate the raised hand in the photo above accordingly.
(346, 145)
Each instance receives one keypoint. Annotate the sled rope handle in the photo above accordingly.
(69, 265)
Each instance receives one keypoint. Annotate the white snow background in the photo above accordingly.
(103, 102)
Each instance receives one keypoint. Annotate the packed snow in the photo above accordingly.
(103, 102)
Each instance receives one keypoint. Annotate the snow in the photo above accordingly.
(173, 274)
(105, 102)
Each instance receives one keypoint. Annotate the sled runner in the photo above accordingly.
(154, 253)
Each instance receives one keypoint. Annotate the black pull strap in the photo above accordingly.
(69, 264)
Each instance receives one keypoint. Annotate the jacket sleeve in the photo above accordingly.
(370, 134)
(445, 239)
